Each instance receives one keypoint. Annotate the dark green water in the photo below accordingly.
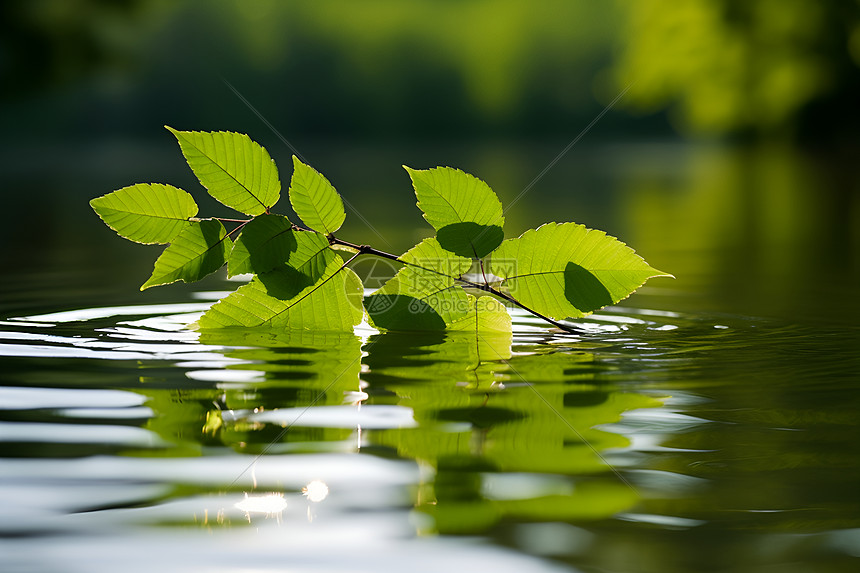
(709, 423)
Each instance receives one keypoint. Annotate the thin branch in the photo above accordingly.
(362, 249)
(495, 292)
(564, 327)
(368, 250)
(238, 227)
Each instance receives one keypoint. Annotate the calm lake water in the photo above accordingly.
(709, 423)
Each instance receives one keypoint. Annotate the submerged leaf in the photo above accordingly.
(235, 170)
(424, 294)
(315, 200)
(566, 270)
(465, 212)
(200, 249)
(265, 243)
(148, 213)
(286, 298)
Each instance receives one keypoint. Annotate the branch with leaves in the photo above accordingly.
(461, 279)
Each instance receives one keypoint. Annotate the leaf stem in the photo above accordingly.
(368, 250)
(238, 227)
(512, 300)
(362, 249)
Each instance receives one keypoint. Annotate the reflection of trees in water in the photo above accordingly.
(267, 370)
(761, 230)
(514, 438)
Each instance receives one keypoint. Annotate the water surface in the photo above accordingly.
(706, 424)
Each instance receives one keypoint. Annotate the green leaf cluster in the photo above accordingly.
(300, 281)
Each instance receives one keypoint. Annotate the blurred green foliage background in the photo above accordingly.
(728, 159)
(471, 68)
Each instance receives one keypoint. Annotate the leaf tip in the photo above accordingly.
(659, 274)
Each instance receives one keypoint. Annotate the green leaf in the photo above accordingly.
(285, 298)
(200, 249)
(486, 315)
(566, 270)
(423, 295)
(265, 243)
(312, 256)
(465, 212)
(148, 213)
(235, 170)
(314, 199)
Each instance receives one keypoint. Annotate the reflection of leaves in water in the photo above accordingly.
(427, 356)
(550, 395)
(274, 369)
(531, 414)
(179, 416)
(299, 369)
(510, 436)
